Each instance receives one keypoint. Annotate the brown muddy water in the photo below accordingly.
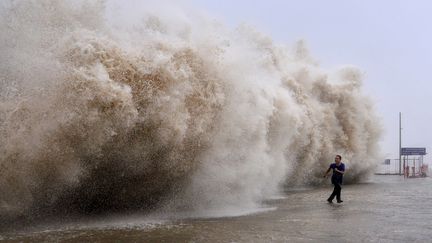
(386, 209)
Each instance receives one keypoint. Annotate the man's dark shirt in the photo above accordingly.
(337, 177)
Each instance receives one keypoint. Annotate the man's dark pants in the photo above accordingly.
(336, 192)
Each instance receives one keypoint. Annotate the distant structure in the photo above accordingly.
(410, 161)
(411, 164)
(409, 156)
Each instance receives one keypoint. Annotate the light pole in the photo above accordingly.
(400, 143)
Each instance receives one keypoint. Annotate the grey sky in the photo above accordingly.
(389, 40)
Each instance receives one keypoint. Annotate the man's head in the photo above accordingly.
(338, 159)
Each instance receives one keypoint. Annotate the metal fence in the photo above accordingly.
(388, 167)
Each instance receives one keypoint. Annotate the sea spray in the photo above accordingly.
(102, 116)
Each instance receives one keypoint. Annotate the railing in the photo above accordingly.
(411, 167)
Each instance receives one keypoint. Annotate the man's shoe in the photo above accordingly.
(330, 201)
(340, 201)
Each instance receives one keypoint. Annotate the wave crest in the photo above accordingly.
(97, 118)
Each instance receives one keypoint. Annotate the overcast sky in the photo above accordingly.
(389, 40)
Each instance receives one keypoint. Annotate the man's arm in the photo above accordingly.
(326, 173)
(340, 171)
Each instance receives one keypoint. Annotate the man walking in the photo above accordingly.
(338, 171)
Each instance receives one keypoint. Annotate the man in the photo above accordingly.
(338, 171)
